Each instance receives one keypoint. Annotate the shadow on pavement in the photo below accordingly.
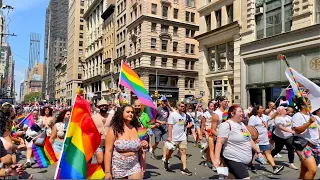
(149, 166)
(150, 174)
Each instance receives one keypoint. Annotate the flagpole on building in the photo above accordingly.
(65, 137)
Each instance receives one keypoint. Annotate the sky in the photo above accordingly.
(28, 16)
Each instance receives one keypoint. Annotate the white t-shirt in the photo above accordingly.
(260, 123)
(237, 146)
(220, 114)
(208, 116)
(311, 133)
(285, 122)
(318, 120)
(178, 128)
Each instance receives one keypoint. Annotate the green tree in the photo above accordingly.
(31, 97)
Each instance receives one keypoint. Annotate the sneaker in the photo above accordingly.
(253, 169)
(186, 172)
(28, 164)
(166, 166)
(278, 156)
(292, 166)
(277, 169)
(164, 159)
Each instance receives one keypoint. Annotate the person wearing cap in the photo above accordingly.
(161, 131)
(102, 121)
(283, 134)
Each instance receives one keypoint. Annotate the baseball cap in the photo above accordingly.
(102, 102)
(280, 108)
(163, 98)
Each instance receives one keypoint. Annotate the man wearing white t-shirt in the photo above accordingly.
(177, 137)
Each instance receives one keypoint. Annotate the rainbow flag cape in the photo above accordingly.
(44, 155)
(95, 171)
(225, 114)
(81, 142)
(289, 96)
(130, 80)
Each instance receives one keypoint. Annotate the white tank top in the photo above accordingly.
(208, 116)
(219, 113)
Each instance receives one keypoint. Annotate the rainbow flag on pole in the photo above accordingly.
(44, 155)
(289, 96)
(130, 79)
(29, 121)
(81, 142)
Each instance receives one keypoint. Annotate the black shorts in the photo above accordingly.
(237, 169)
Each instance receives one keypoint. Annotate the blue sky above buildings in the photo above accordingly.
(28, 16)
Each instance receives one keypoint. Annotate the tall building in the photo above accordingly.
(34, 50)
(76, 48)
(5, 69)
(289, 27)
(220, 39)
(21, 94)
(94, 48)
(56, 35)
(10, 78)
(160, 45)
(108, 17)
(34, 82)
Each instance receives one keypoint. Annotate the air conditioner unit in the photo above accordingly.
(259, 10)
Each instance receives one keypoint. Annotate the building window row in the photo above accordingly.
(121, 36)
(121, 21)
(121, 51)
(218, 17)
(189, 83)
(190, 3)
(122, 6)
(190, 65)
(221, 57)
(189, 48)
(190, 16)
(163, 81)
(190, 33)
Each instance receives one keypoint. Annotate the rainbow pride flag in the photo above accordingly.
(44, 155)
(20, 118)
(95, 171)
(130, 80)
(142, 133)
(289, 96)
(81, 142)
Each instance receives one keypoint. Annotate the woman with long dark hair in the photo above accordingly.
(46, 118)
(260, 121)
(307, 129)
(59, 131)
(124, 150)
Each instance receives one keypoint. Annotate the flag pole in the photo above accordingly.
(282, 92)
(284, 58)
(120, 74)
(65, 137)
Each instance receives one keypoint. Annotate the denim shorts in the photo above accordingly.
(264, 148)
(150, 132)
(57, 146)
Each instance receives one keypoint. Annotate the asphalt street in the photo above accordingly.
(195, 165)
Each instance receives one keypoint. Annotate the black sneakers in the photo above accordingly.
(277, 169)
(166, 166)
(186, 172)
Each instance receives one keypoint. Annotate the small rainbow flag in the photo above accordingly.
(82, 140)
(225, 114)
(142, 133)
(95, 171)
(44, 155)
(130, 80)
(289, 96)
(20, 118)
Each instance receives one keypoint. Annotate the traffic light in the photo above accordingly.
(156, 93)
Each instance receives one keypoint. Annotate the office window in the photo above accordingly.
(230, 13)
(154, 9)
(164, 45)
(175, 31)
(81, 11)
(192, 49)
(165, 11)
(187, 48)
(187, 16)
(175, 46)
(81, 35)
(208, 22)
(81, 27)
(191, 83)
(186, 83)
(164, 62)
(187, 32)
(164, 28)
(192, 17)
(153, 61)
(218, 18)
(153, 27)
(153, 43)
(192, 33)
(192, 65)
(187, 65)
(79, 76)
(174, 63)
(175, 13)
(82, 3)
(221, 56)
(260, 26)
(274, 23)
(288, 15)
(80, 43)
(190, 3)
